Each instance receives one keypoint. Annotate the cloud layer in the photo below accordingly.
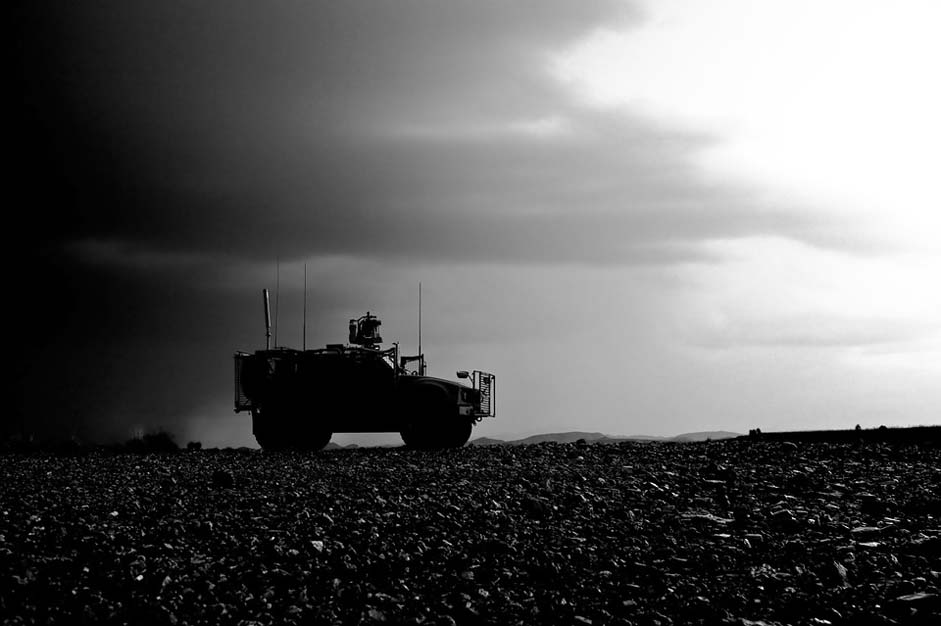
(418, 130)
(170, 152)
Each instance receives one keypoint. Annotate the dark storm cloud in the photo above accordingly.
(172, 119)
(158, 141)
(260, 130)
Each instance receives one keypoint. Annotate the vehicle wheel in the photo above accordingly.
(458, 434)
(420, 435)
(318, 440)
(409, 436)
(265, 428)
(431, 410)
(271, 443)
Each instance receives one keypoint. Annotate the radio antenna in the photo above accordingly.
(277, 297)
(421, 356)
(264, 293)
(304, 334)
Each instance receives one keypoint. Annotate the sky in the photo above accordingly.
(644, 217)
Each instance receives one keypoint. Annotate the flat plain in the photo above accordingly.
(725, 532)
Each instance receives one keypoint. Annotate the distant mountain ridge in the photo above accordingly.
(573, 436)
(570, 437)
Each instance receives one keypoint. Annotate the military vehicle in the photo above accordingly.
(299, 398)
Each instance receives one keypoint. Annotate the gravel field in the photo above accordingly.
(728, 532)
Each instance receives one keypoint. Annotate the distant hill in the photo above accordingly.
(571, 437)
(706, 436)
(486, 441)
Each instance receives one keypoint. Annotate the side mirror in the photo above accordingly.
(463, 374)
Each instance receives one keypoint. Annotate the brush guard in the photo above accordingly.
(485, 383)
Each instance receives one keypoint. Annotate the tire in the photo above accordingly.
(427, 405)
(273, 436)
(410, 437)
(317, 440)
(271, 443)
(435, 423)
(264, 427)
(459, 434)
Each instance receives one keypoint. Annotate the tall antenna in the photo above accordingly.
(304, 334)
(277, 297)
(421, 357)
(264, 293)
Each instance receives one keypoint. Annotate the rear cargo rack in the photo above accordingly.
(242, 403)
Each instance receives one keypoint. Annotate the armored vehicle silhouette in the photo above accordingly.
(299, 398)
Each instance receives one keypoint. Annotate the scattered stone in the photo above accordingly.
(784, 519)
(223, 479)
(871, 505)
(707, 518)
(865, 531)
(834, 574)
(535, 507)
(628, 534)
(925, 600)
(929, 547)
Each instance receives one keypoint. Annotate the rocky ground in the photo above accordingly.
(734, 532)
